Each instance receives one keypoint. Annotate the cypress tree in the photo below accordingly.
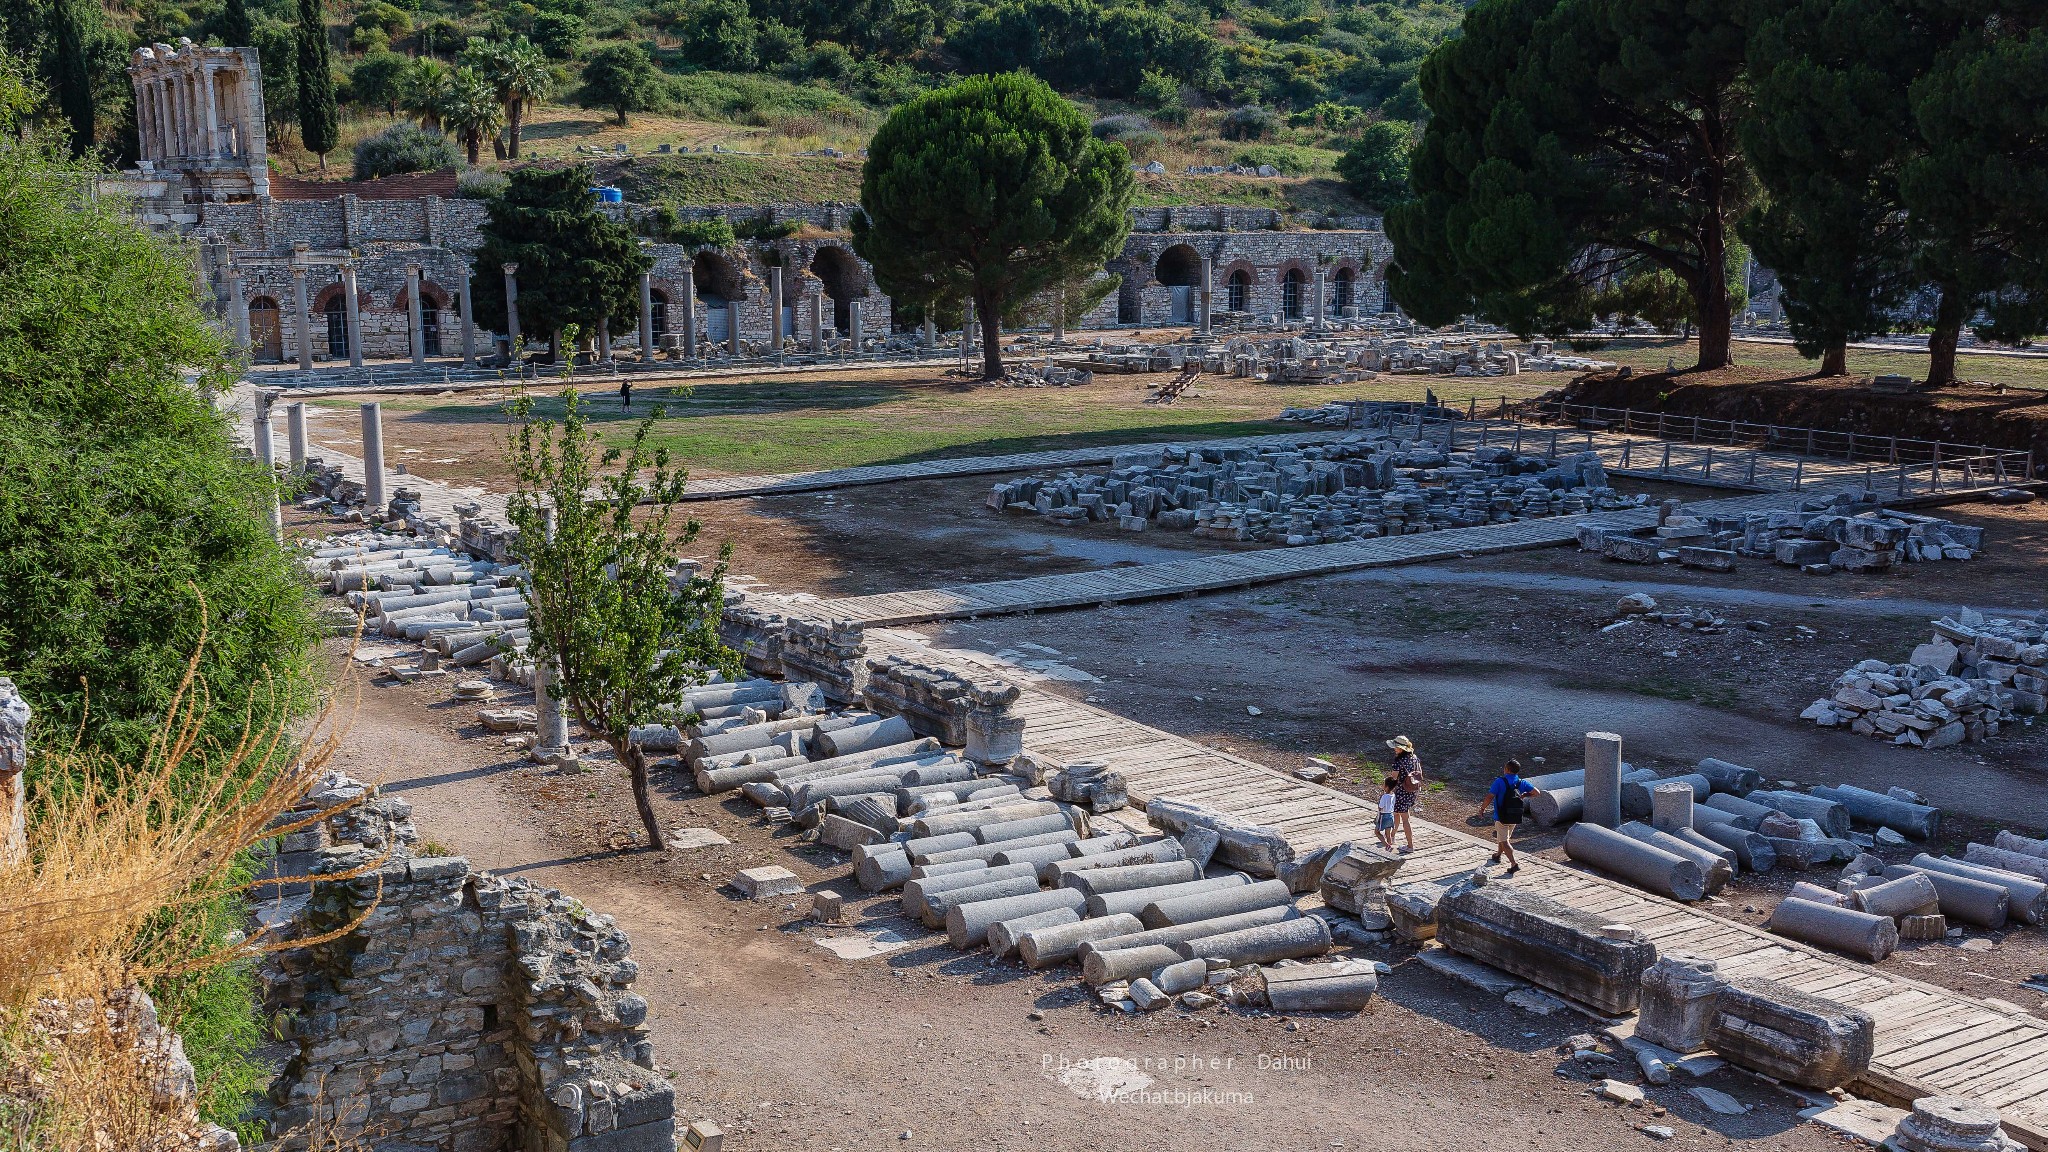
(72, 38)
(319, 126)
(235, 31)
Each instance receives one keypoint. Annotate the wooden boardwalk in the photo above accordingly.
(1239, 569)
(736, 487)
(1929, 1040)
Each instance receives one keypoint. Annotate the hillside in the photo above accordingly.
(1286, 83)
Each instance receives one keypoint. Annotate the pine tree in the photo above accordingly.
(319, 126)
(576, 266)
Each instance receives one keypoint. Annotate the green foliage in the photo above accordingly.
(1250, 122)
(991, 188)
(467, 105)
(276, 45)
(1569, 137)
(576, 266)
(377, 80)
(216, 1012)
(235, 29)
(559, 35)
(319, 125)
(888, 29)
(403, 148)
(481, 184)
(697, 233)
(1375, 167)
(518, 72)
(390, 19)
(621, 77)
(765, 227)
(598, 537)
(1078, 46)
(1652, 295)
(721, 35)
(1289, 159)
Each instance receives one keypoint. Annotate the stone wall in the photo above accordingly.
(465, 1012)
(1154, 264)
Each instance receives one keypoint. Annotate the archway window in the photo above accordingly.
(840, 273)
(336, 312)
(1343, 294)
(1290, 294)
(1179, 266)
(1240, 291)
(430, 324)
(657, 312)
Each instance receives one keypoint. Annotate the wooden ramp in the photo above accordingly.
(1929, 1040)
(1240, 569)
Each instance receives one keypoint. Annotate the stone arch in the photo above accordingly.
(1343, 289)
(333, 306)
(840, 274)
(717, 280)
(1237, 290)
(266, 329)
(1293, 288)
(1180, 266)
(657, 311)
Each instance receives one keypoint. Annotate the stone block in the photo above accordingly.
(766, 883)
(1630, 550)
(1711, 559)
(1951, 1124)
(1547, 943)
(1767, 1027)
(1678, 1002)
(1800, 553)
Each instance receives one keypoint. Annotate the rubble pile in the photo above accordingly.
(1333, 415)
(1973, 676)
(1358, 488)
(1849, 531)
(1046, 375)
(1342, 352)
(1874, 905)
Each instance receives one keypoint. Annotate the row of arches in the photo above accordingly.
(1179, 268)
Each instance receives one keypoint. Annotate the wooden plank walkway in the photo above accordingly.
(736, 487)
(1929, 1040)
(1239, 569)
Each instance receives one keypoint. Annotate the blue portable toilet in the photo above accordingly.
(609, 195)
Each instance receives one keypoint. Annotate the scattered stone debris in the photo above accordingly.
(1361, 487)
(1975, 675)
(1850, 531)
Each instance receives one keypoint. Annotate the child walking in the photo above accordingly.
(1386, 827)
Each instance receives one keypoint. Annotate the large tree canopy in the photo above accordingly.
(991, 189)
(1575, 141)
(576, 266)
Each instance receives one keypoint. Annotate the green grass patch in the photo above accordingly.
(697, 179)
(1653, 355)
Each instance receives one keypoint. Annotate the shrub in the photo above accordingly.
(703, 232)
(1119, 126)
(829, 61)
(765, 227)
(1376, 167)
(480, 184)
(404, 148)
(1250, 122)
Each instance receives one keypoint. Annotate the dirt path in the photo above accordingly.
(791, 1048)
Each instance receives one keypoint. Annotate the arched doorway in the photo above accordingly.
(1291, 293)
(840, 273)
(430, 322)
(1239, 292)
(266, 332)
(718, 284)
(1344, 295)
(657, 313)
(336, 312)
(1179, 268)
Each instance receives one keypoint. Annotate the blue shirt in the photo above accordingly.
(1499, 789)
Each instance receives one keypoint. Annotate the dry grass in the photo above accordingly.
(119, 862)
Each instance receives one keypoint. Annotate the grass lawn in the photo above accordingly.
(1652, 355)
(798, 423)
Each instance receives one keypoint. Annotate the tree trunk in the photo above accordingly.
(1941, 342)
(991, 336)
(515, 112)
(1835, 360)
(1710, 295)
(635, 761)
(475, 145)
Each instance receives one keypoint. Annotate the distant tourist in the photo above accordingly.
(1407, 787)
(626, 393)
(1386, 826)
(1505, 797)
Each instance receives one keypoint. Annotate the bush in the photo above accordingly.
(559, 35)
(765, 227)
(721, 35)
(404, 148)
(1250, 122)
(704, 232)
(1290, 160)
(829, 61)
(480, 184)
(1376, 167)
(1120, 126)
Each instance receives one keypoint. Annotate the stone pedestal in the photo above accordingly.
(1603, 780)
(1951, 1124)
(831, 654)
(373, 457)
(1678, 999)
(995, 738)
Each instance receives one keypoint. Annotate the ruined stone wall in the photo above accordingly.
(464, 1012)
(1265, 260)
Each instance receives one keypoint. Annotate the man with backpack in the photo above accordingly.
(1506, 796)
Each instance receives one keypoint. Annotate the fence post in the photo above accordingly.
(1798, 472)
(1660, 425)
(1695, 438)
(1518, 437)
(1708, 473)
(1852, 447)
(1893, 453)
(1750, 478)
(1626, 447)
(1664, 469)
(1902, 481)
(1936, 475)
(1553, 443)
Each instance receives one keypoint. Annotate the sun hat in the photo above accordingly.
(1401, 744)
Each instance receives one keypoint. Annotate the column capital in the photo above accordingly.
(511, 269)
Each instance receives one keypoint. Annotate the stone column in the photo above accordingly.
(1318, 298)
(1603, 780)
(266, 436)
(416, 336)
(206, 78)
(552, 745)
(689, 291)
(1059, 317)
(14, 715)
(853, 324)
(1208, 290)
(647, 317)
(818, 321)
(732, 328)
(931, 329)
(238, 310)
(373, 457)
(511, 314)
(303, 320)
(295, 434)
(355, 315)
(468, 321)
(775, 307)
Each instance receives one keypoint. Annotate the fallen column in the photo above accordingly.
(1099, 968)
(1746, 814)
(1151, 852)
(989, 851)
(859, 737)
(1251, 848)
(881, 872)
(1908, 895)
(1134, 900)
(2024, 845)
(1003, 935)
(1701, 842)
(1552, 945)
(1181, 933)
(1345, 986)
(1767, 1027)
(1717, 868)
(1287, 940)
(1019, 829)
(1840, 929)
(1801, 890)
(741, 739)
(1098, 881)
(1730, 778)
(2027, 897)
(1916, 820)
(922, 846)
(1566, 803)
(2024, 865)
(917, 891)
(1644, 865)
(942, 823)
(1831, 816)
(937, 904)
(1635, 794)
(1041, 857)
(1210, 905)
(1045, 947)
(967, 923)
(1963, 898)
